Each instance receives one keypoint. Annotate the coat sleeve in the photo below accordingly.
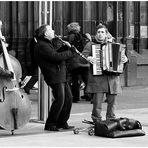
(48, 53)
(87, 49)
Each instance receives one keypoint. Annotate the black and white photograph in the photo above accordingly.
(73, 73)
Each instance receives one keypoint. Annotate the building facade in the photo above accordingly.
(126, 20)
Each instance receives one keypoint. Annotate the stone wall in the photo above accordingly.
(137, 70)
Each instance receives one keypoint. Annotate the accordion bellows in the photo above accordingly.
(108, 58)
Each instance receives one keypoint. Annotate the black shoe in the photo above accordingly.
(27, 90)
(87, 98)
(75, 101)
(66, 126)
(51, 128)
(83, 97)
(105, 101)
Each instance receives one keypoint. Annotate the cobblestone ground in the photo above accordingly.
(132, 103)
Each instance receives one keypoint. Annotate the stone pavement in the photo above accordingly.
(32, 134)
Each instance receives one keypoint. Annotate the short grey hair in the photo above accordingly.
(74, 26)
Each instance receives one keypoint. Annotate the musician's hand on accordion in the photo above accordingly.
(124, 58)
(91, 59)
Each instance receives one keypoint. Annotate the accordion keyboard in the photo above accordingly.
(96, 53)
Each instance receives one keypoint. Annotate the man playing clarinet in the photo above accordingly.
(105, 84)
(52, 65)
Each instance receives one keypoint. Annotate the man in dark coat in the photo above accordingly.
(53, 67)
(107, 83)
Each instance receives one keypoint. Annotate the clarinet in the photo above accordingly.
(76, 50)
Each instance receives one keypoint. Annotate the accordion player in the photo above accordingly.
(108, 58)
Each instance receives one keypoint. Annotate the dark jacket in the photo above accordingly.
(79, 41)
(51, 62)
(31, 63)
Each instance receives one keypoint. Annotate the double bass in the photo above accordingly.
(15, 106)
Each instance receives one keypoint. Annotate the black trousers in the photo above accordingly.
(78, 74)
(61, 106)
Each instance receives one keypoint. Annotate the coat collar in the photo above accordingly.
(99, 42)
(44, 39)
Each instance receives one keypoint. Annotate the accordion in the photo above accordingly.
(108, 58)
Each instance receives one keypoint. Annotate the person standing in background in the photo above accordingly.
(77, 66)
